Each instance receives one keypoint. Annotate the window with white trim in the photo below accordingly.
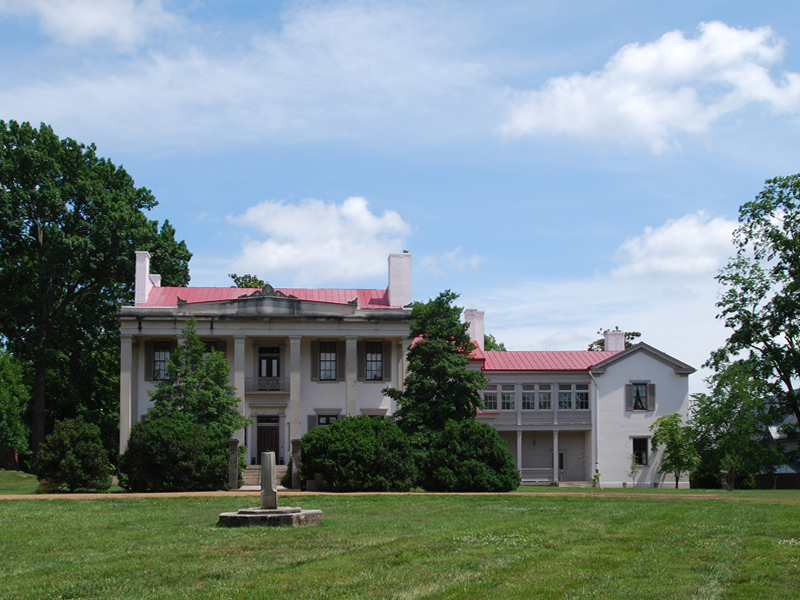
(640, 451)
(528, 397)
(582, 396)
(161, 354)
(374, 360)
(545, 396)
(639, 397)
(564, 396)
(507, 397)
(327, 361)
(323, 420)
(490, 397)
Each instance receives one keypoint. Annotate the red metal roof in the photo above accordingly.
(568, 360)
(168, 296)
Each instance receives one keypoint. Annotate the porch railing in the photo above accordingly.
(537, 475)
(266, 384)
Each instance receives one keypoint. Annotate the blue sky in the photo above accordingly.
(564, 166)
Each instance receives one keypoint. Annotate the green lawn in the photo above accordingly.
(426, 546)
(17, 482)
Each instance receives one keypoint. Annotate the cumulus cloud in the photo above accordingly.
(315, 242)
(123, 23)
(695, 244)
(651, 93)
(447, 261)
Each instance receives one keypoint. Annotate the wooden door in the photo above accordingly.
(267, 440)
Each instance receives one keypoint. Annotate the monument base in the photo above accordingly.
(286, 516)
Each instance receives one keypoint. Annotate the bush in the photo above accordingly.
(469, 457)
(359, 454)
(286, 480)
(174, 454)
(72, 459)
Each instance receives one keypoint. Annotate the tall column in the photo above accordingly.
(519, 450)
(125, 387)
(238, 378)
(351, 374)
(294, 387)
(555, 454)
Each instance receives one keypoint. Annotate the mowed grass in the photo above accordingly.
(404, 546)
(17, 482)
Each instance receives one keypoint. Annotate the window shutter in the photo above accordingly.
(148, 361)
(312, 422)
(340, 360)
(173, 344)
(314, 360)
(628, 396)
(387, 361)
(361, 357)
(222, 347)
(651, 396)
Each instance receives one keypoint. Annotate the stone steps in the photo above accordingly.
(252, 475)
(575, 484)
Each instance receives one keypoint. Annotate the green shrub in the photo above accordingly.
(358, 454)
(174, 454)
(72, 459)
(469, 457)
(286, 480)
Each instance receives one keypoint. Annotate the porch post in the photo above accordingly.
(555, 455)
(238, 379)
(125, 387)
(294, 387)
(519, 450)
(351, 375)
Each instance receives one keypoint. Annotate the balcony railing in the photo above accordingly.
(538, 417)
(266, 384)
(536, 475)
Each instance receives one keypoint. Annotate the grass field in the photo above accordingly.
(397, 546)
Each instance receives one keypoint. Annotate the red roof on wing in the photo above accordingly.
(568, 360)
(168, 296)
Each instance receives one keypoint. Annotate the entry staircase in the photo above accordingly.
(251, 476)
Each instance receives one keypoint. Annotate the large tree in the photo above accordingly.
(70, 223)
(439, 385)
(680, 455)
(761, 302)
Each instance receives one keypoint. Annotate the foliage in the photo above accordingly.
(469, 457)
(72, 459)
(247, 281)
(490, 343)
(731, 426)
(600, 345)
(761, 303)
(197, 386)
(634, 469)
(286, 480)
(174, 454)
(358, 454)
(439, 385)
(70, 223)
(680, 455)
(14, 397)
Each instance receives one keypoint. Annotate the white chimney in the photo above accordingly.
(614, 340)
(399, 290)
(143, 282)
(156, 279)
(474, 317)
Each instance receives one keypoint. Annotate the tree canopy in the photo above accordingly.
(70, 223)
(247, 281)
(439, 386)
(14, 398)
(490, 343)
(680, 455)
(761, 302)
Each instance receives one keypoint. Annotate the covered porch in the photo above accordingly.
(538, 463)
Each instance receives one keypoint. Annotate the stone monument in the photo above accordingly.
(269, 513)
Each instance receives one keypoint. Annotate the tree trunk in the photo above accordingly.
(39, 381)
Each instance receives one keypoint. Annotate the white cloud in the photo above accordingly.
(313, 242)
(651, 93)
(331, 71)
(122, 23)
(450, 260)
(695, 244)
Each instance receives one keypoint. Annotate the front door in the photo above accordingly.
(267, 437)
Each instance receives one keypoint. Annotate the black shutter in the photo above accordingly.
(387, 361)
(628, 397)
(148, 360)
(361, 358)
(222, 347)
(651, 396)
(314, 360)
(340, 360)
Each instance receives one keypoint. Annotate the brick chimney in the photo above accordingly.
(399, 290)
(614, 340)
(474, 317)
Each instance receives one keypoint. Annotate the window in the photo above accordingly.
(374, 357)
(564, 396)
(210, 346)
(582, 396)
(490, 397)
(326, 419)
(508, 397)
(269, 362)
(640, 397)
(327, 361)
(161, 352)
(528, 397)
(640, 450)
(545, 397)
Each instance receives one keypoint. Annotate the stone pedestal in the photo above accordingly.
(284, 516)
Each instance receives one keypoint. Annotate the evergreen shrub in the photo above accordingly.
(174, 454)
(72, 459)
(469, 457)
(359, 454)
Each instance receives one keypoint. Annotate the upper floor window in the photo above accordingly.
(528, 397)
(210, 347)
(327, 361)
(161, 354)
(640, 396)
(269, 362)
(507, 396)
(564, 396)
(374, 358)
(545, 397)
(582, 396)
(490, 397)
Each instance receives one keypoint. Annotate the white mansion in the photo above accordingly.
(301, 358)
